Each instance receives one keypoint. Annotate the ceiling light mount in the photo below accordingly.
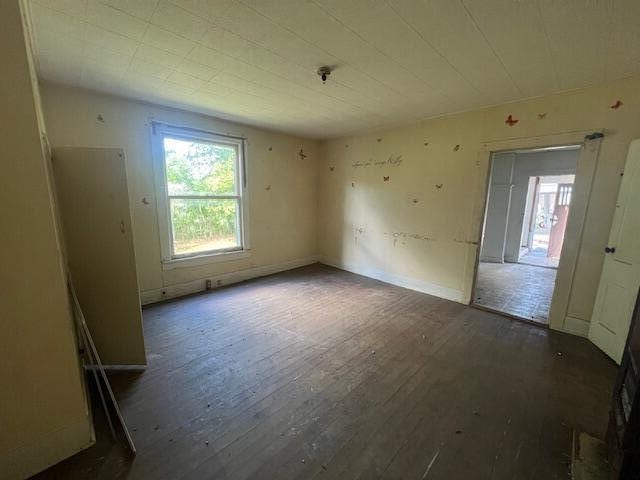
(324, 72)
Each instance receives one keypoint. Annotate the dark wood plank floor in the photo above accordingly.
(318, 373)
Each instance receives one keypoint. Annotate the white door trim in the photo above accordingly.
(558, 318)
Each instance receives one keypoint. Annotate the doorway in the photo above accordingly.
(527, 208)
(545, 219)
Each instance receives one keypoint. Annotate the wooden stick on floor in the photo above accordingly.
(95, 360)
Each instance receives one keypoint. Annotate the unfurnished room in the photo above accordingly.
(320, 239)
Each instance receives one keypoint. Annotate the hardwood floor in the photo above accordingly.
(517, 289)
(318, 373)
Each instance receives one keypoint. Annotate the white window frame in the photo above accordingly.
(170, 260)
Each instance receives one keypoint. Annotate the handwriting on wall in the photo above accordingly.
(392, 161)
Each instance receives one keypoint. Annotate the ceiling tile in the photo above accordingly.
(142, 9)
(579, 33)
(165, 40)
(179, 21)
(207, 56)
(206, 9)
(44, 18)
(115, 20)
(394, 61)
(75, 8)
(524, 32)
(196, 69)
(110, 41)
(622, 57)
(152, 54)
(152, 69)
(189, 81)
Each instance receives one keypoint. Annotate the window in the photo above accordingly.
(200, 202)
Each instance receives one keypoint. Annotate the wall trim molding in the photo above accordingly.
(400, 281)
(155, 295)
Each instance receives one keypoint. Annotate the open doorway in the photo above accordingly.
(528, 204)
(545, 219)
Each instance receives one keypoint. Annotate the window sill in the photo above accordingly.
(206, 259)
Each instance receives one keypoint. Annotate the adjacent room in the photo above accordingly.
(527, 208)
(320, 239)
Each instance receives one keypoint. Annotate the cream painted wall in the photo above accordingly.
(43, 410)
(282, 187)
(421, 227)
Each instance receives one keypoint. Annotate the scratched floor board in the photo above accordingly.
(319, 373)
(366, 404)
(246, 419)
(270, 406)
(302, 405)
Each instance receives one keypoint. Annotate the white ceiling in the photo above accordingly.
(397, 61)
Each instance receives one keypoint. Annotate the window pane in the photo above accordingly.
(199, 168)
(204, 225)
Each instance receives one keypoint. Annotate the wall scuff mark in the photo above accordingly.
(466, 242)
(415, 236)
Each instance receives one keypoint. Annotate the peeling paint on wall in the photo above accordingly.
(415, 236)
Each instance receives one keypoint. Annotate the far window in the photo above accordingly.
(203, 193)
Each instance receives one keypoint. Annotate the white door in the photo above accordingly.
(620, 278)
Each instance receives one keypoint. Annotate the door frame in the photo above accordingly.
(585, 171)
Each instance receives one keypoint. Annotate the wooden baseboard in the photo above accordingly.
(181, 289)
(400, 281)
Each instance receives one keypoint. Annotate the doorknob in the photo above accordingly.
(610, 249)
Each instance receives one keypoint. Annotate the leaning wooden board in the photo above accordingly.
(92, 197)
